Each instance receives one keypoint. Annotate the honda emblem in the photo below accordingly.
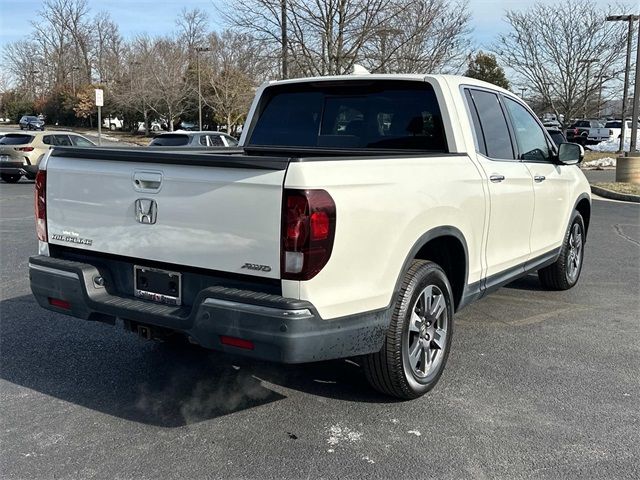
(146, 211)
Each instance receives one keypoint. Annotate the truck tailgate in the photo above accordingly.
(204, 213)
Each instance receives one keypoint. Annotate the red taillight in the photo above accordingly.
(59, 303)
(25, 149)
(576, 131)
(41, 205)
(308, 229)
(236, 342)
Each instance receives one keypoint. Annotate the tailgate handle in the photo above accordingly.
(147, 181)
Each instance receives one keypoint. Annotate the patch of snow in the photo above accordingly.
(599, 163)
(414, 432)
(612, 145)
(367, 459)
(394, 420)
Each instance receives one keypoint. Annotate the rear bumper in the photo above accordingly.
(279, 329)
(16, 168)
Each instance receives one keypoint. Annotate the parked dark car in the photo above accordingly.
(29, 122)
(556, 135)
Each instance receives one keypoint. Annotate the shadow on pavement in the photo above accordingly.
(104, 368)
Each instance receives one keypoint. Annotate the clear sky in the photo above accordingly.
(158, 16)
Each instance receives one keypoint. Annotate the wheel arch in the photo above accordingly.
(583, 206)
(446, 246)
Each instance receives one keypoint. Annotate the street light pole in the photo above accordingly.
(588, 61)
(522, 90)
(198, 50)
(629, 19)
(636, 103)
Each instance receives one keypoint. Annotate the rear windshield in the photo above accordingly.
(613, 125)
(170, 140)
(352, 114)
(15, 139)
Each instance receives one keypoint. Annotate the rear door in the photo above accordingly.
(217, 218)
(508, 181)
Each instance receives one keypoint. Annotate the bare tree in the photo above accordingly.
(192, 27)
(551, 48)
(424, 36)
(231, 71)
(166, 63)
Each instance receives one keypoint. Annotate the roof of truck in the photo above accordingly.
(452, 80)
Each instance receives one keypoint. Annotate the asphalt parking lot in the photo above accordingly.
(539, 384)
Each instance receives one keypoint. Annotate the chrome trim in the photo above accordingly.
(54, 271)
(259, 309)
(539, 178)
(496, 178)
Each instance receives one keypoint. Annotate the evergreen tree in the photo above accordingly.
(483, 66)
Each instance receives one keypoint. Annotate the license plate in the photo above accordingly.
(4, 158)
(157, 285)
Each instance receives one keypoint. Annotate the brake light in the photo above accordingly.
(41, 205)
(25, 149)
(575, 131)
(308, 230)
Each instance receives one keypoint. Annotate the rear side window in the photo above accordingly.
(216, 141)
(62, 140)
(352, 114)
(232, 142)
(16, 139)
(491, 128)
(47, 140)
(170, 140)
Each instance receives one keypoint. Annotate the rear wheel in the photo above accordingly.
(10, 178)
(417, 344)
(565, 272)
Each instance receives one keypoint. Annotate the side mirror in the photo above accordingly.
(570, 153)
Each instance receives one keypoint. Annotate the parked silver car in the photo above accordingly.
(193, 139)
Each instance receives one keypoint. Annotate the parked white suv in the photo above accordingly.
(363, 213)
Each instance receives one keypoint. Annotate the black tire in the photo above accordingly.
(10, 178)
(389, 371)
(563, 274)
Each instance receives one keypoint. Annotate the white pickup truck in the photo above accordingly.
(358, 215)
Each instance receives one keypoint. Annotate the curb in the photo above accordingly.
(624, 197)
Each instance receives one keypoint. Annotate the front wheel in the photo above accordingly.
(565, 271)
(417, 344)
(10, 178)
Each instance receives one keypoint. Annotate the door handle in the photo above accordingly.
(539, 178)
(496, 178)
(147, 181)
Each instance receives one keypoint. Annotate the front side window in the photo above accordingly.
(491, 127)
(232, 142)
(79, 141)
(530, 137)
(351, 114)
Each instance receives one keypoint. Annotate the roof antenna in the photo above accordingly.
(360, 70)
